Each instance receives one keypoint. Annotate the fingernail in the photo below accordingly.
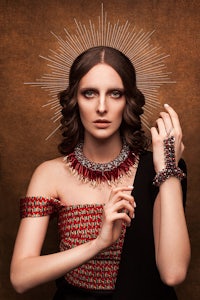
(133, 216)
(166, 105)
(134, 204)
(130, 186)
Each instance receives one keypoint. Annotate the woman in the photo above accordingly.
(116, 241)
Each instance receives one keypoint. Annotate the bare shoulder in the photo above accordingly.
(50, 165)
(44, 178)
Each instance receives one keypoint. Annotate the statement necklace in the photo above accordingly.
(98, 173)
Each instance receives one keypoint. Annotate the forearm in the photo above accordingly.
(32, 271)
(173, 249)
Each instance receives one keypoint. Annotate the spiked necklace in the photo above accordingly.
(98, 173)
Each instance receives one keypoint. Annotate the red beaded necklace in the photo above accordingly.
(97, 173)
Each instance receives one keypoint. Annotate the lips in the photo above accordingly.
(101, 121)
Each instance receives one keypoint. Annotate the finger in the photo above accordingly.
(123, 196)
(174, 117)
(118, 204)
(154, 133)
(122, 188)
(167, 122)
(161, 127)
(119, 193)
(122, 216)
(124, 206)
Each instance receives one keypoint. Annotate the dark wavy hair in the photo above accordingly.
(131, 127)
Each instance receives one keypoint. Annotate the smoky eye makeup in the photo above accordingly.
(88, 93)
(117, 93)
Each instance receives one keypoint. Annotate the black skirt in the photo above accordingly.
(66, 291)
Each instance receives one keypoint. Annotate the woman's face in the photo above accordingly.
(101, 102)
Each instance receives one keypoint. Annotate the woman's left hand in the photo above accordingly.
(167, 125)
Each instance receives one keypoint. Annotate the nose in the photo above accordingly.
(101, 106)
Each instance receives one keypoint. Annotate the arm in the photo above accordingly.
(172, 244)
(29, 268)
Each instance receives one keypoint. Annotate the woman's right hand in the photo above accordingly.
(119, 208)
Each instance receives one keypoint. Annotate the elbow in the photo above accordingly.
(17, 284)
(174, 272)
(174, 277)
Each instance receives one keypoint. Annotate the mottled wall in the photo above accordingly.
(25, 33)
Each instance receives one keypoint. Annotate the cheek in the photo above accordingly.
(120, 111)
(84, 112)
(82, 109)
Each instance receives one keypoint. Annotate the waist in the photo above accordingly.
(65, 288)
(94, 275)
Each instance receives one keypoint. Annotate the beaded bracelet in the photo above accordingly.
(171, 169)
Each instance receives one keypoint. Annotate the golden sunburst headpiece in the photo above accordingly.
(136, 45)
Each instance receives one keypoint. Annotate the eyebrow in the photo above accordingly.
(114, 88)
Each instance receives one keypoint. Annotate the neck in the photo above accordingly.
(102, 151)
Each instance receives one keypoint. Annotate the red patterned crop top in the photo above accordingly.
(78, 224)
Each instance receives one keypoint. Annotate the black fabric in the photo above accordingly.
(66, 291)
(138, 277)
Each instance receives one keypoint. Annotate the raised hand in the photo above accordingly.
(119, 208)
(167, 125)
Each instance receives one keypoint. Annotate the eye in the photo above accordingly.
(116, 94)
(88, 93)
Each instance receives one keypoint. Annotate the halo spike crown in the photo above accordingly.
(149, 63)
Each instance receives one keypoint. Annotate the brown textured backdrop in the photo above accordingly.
(25, 33)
